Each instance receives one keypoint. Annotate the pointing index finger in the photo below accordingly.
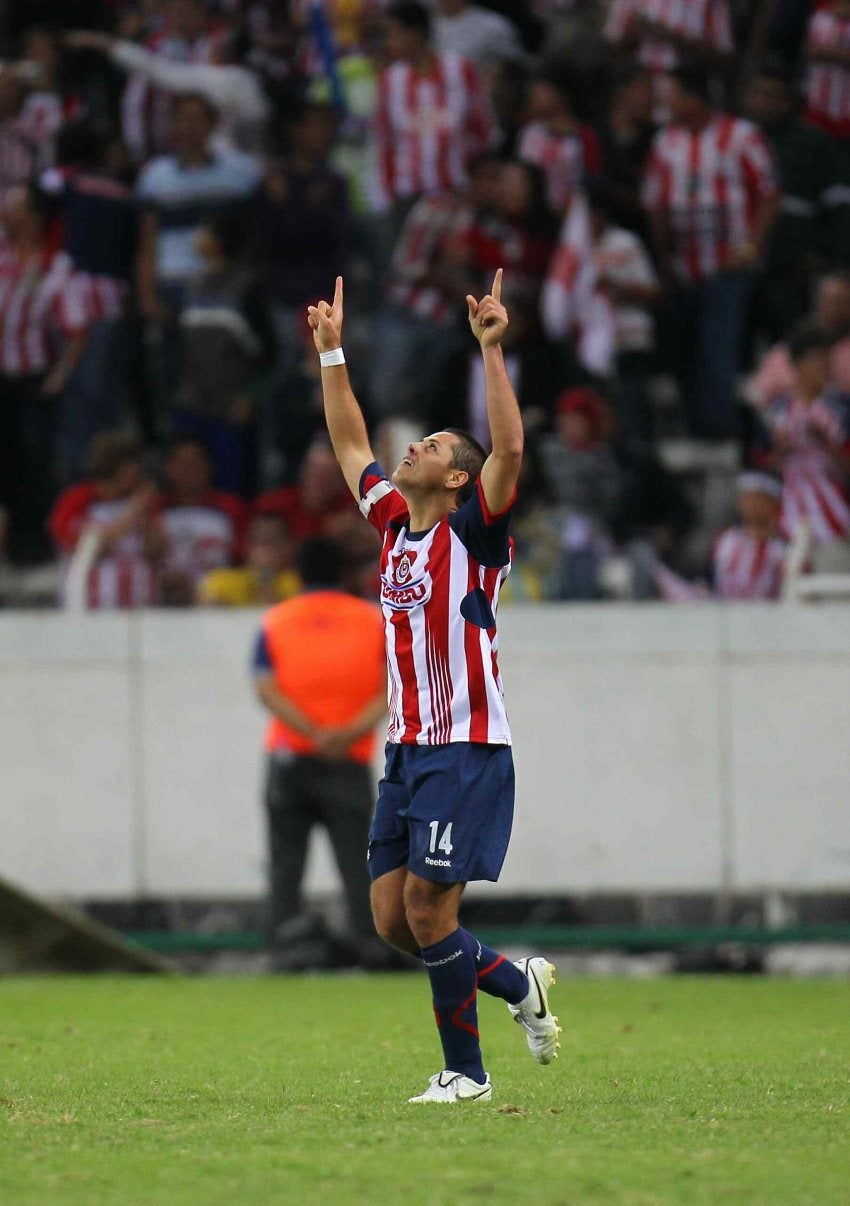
(338, 292)
(496, 291)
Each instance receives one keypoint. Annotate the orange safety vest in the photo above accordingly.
(327, 654)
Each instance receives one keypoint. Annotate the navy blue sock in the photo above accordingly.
(454, 988)
(497, 976)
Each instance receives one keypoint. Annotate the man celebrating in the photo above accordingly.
(445, 804)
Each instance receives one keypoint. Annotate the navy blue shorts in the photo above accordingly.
(444, 811)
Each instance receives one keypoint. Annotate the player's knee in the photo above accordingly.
(425, 916)
(398, 936)
(391, 924)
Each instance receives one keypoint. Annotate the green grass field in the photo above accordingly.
(293, 1090)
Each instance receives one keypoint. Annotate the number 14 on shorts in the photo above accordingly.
(443, 843)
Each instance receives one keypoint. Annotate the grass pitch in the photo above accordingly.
(293, 1090)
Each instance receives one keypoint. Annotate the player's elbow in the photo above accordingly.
(509, 455)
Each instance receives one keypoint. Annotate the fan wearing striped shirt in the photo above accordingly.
(809, 444)
(828, 76)
(711, 192)
(445, 804)
(749, 557)
(432, 116)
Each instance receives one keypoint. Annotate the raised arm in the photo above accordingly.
(488, 319)
(234, 90)
(343, 415)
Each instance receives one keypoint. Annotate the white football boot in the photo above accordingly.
(533, 1013)
(454, 1086)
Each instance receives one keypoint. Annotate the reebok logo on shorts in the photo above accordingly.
(438, 862)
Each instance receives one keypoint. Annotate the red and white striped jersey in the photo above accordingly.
(828, 84)
(431, 226)
(698, 20)
(146, 110)
(708, 185)
(439, 595)
(811, 493)
(125, 576)
(564, 159)
(38, 305)
(428, 126)
(201, 537)
(748, 568)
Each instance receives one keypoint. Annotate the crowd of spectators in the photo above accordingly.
(666, 184)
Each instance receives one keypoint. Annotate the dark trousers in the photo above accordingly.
(301, 792)
(709, 320)
(27, 445)
(96, 397)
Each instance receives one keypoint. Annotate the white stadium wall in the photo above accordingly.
(658, 748)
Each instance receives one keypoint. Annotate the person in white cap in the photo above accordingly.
(749, 558)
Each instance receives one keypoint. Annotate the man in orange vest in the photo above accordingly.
(320, 671)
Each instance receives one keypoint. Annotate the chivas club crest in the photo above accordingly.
(402, 569)
(406, 583)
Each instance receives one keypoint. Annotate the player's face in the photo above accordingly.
(427, 463)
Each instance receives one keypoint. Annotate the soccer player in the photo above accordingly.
(445, 804)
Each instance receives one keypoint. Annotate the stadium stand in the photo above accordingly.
(199, 170)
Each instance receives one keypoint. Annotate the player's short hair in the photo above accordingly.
(320, 561)
(109, 451)
(808, 337)
(410, 15)
(468, 455)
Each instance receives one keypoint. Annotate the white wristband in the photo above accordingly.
(334, 356)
